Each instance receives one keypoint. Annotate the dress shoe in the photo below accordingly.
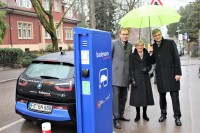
(116, 124)
(124, 119)
(178, 122)
(162, 118)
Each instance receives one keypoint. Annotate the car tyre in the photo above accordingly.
(26, 118)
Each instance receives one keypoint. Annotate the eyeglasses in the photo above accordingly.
(156, 35)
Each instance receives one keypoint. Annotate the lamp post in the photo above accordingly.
(188, 45)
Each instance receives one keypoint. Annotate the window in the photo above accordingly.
(69, 12)
(20, 30)
(57, 31)
(68, 34)
(57, 5)
(46, 4)
(28, 4)
(49, 69)
(47, 35)
(29, 31)
(24, 3)
(25, 30)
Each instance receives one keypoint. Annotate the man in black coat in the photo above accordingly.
(168, 73)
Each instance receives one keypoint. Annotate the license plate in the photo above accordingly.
(40, 107)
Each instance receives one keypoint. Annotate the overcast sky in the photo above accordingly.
(175, 4)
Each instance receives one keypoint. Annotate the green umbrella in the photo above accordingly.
(149, 16)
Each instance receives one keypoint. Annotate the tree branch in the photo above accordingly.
(63, 16)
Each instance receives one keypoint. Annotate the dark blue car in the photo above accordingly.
(45, 90)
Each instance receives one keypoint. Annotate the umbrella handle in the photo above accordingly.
(150, 31)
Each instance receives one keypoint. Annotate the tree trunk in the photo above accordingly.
(54, 40)
(92, 14)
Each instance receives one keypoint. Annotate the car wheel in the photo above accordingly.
(26, 118)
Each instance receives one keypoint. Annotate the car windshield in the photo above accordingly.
(56, 71)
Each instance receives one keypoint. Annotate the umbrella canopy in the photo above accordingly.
(149, 16)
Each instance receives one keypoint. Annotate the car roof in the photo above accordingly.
(65, 57)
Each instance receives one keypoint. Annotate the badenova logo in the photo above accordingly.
(102, 54)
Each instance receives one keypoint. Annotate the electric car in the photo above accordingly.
(45, 90)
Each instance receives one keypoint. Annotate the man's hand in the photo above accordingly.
(177, 77)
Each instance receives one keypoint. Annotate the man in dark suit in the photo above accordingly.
(168, 74)
(121, 50)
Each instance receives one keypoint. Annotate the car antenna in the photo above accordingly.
(61, 52)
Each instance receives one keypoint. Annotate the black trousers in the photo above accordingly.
(175, 103)
(119, 100)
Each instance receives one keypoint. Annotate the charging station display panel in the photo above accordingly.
(93, 79)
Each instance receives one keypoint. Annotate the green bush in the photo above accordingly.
(49, 48)
(10, 56)
(27, 58)
(70, 48)
(25, 61)
(195, 51)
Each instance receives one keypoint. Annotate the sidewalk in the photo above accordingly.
(189, 100)
(10, 74)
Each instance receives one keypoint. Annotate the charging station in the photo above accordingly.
(93, 80)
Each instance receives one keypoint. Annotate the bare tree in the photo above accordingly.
(123, 7)
(46, 19)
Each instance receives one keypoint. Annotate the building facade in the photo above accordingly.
(25, 30)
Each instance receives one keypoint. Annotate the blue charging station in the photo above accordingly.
(93, 80)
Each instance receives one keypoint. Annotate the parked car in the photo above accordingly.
(45, 90)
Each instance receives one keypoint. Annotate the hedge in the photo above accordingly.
(10, 56)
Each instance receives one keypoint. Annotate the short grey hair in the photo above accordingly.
(139, 42)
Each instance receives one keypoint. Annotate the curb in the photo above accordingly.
(7, 80)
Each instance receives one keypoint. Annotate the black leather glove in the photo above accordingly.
(134, 83)
(144, 70)
(151, 75)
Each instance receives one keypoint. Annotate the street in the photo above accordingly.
(189, 94)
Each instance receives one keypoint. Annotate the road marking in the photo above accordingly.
(11, 124)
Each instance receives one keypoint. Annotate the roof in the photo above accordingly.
(65, 57)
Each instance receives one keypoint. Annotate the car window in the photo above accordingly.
(61, 71)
